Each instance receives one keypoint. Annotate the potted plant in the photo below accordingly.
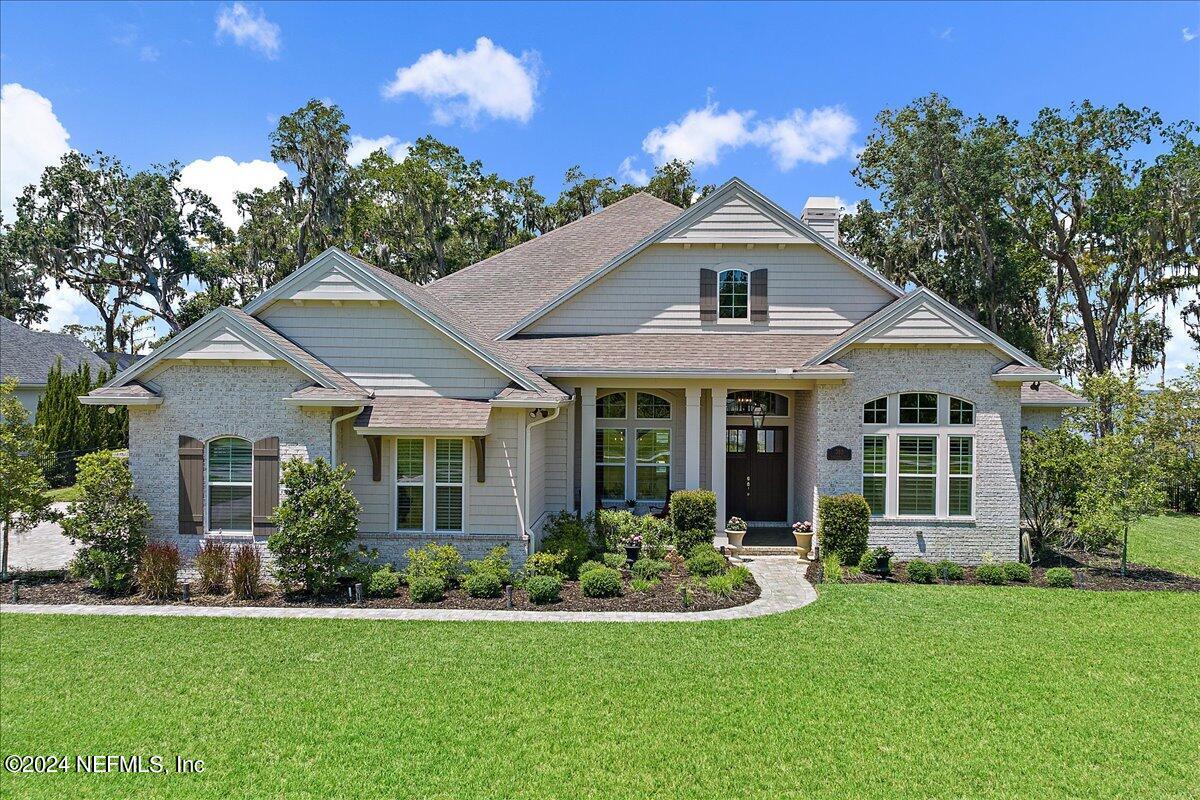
(803, 531)
(735, 529)
(883, 561)
(633, 547)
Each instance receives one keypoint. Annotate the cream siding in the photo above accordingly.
(385, 348)
(492, 505)
(735, 220)
(658, 291)
(555, 462)
(923, 325)
(376, 497)
(223, 344)
(331, 283)
(537, 473)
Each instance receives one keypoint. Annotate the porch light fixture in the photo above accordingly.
(757, 415)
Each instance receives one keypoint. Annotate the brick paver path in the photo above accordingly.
(43, 547)
(781, 579)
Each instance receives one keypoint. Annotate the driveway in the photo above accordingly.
(44, 547)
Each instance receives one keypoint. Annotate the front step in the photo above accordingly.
(752, 550)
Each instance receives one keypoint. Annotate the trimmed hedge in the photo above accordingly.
(543, 588)
(426, 589)
(1017, 572)
(949, 571)
(843, 530)
(921, 571)
(694, 509)
(483, 584)
(614, 560)
(588, 566)
(992, 574)
(567, 534)
(1060, 577)
(383, 582)
(705, 562)
(602, 582)
(687, 541)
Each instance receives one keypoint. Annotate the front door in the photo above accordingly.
(756, 470)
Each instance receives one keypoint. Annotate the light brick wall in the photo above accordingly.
(1039, 419)
(962, 372)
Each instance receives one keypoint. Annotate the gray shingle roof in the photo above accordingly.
(134, 390)
(500, 291)
(425, 413)
(1049, 394)
(29, 355)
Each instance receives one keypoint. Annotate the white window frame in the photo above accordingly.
(952, 476)
(655, 464)
(209, 483)
(749, 294)
(937, 404)
(638, 417)
(935, 475)
(882, 475)
(631, 423)
(408, 482)
(971, 405)
(623, 463)
(460, 484)
(886, 413)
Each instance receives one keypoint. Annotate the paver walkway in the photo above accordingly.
(41, 547)
(781, 579)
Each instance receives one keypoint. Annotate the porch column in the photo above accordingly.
(587, 450)
(691, 439)
(717, 471)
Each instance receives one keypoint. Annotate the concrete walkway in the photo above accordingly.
(42, 547)
(781, 579)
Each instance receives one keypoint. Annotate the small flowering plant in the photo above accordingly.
(633, 540)
(735, 524)
(802, 527)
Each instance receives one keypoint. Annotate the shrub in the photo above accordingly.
(496, 562)
(483, 584)
(567, 534)
(949, 571)
(1017, 572)
(614, 560)
(648, 568)
(158, 570)
(866, 563)
(656, 535)
(383, 582)
(739, 576)
(245, 572)
(612, 526)
(543, 588)
(720, 585)
(426, 589)
(212, 563)
(643, 584)
(588, 566)
(831, 568)
(441, 562)
(687, 541)
(705, 562)
(545, 563)
(844, 521)
(1060, 578)
(921, 571)
(992, 574)
(109, 522)
(694, 509)
(603, 582)
(316, 522)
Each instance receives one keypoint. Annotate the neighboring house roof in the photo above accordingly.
(709, 352)
(122, 361)
(500, 291)
(29, 355)
(414, 414)
(887, 316)
(734, 186)
(1050, 395)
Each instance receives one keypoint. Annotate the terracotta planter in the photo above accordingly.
(735, 537)
(803, 543)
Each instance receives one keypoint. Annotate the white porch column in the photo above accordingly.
(587, 450)
(691, 439)
(719, 394)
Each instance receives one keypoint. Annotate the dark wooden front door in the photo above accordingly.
(756, 470)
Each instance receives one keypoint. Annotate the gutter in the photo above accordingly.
(553, 415)
(333, 459)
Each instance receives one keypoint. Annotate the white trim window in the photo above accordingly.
(917, 476)
(961, 412)
(874, 477)
(610, 464)
(651, 406)
(875, 411)
(962, 476)
(230, 474)
(448, 485)
(410, 484)
(632, 450)
(611, 406)
(653, 464)
(733, 294)
(919, 408)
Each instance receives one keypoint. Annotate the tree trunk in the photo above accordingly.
(4, 554)
(1125, 551)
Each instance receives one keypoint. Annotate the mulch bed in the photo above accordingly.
(58, 588)
(1096, 572)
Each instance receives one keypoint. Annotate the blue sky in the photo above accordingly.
(778, 94)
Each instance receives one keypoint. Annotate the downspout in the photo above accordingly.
(333, 459)
(529, 427)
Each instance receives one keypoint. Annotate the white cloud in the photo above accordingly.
(816, 136)
(31, 139)
(249, 28)
(1189, 34)
(631, 174)
(361, 147)
(148, 52)
(1181, 350)
(461, 86)
(699, 136)
(945, 34)
(220, 177)
(703, 135)
(66, 306)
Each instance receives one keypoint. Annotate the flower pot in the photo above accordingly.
(632, 553)
(803, 543)
(883, 566)
(735, 537)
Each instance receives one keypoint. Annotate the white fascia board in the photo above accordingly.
(88, 400)
(555, 403)
(1026, 377)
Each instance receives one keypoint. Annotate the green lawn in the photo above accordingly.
(873, 691)
(66, 494)
(1171, 541)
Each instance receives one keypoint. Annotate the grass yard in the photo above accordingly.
(874, 691)
(1171, 541)
(66, 494)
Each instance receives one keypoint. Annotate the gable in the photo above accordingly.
(924, 324)
(329, 280)
(736, 219)
(223, 343)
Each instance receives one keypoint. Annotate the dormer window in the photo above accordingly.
(733, 294)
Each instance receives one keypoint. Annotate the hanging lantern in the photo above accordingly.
(757, 415)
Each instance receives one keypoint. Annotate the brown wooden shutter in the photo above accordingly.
(191, 486)
(758, 296)
(266, 484)
(708, 295)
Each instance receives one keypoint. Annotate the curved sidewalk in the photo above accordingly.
(781, 579)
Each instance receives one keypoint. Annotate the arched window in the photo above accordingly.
(875, 412)
(651, 406)
(733, 294)
(611, 406)
(961, 412)
(230, 483)
(741, 403)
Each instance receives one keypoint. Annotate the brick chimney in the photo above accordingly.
(821, 214)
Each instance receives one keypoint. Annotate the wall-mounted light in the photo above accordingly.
(758, 415)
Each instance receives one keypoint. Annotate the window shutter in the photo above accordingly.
(191, 486)
(708, 295)
(266, 484)
(758, 295)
